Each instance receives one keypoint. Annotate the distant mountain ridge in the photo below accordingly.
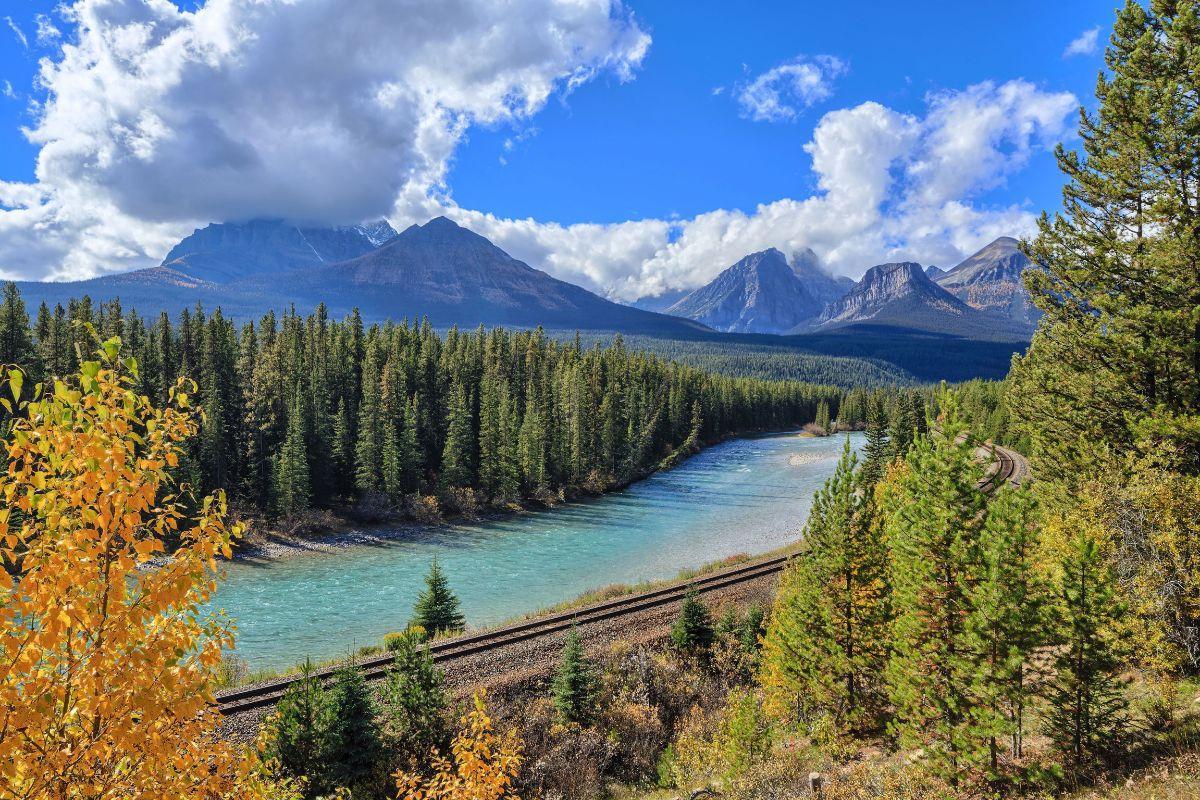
(226, 252)
(980, 298)
(440, 271)
(990, 280)
(899, 294)
(759, 294)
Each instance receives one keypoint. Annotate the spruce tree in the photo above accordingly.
(16, 341)
(354, 751)
(826, 644)
(408, 447)
(821, 420)
(1086, 696)
(436, 610)
(491, 425)
(298, 740)
(902, 426)
(415, 705)
(693, 630)
(292, 487)
(574, 685)
(533, 448)
(342, 449)
(391, 466)
(368, 449)
(877, 449)
(457, 454)
(508, 485)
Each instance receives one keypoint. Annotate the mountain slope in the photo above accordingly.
(900, 295)
(661, 302)
(439, 270)
(759, 294)
(820, 284)
(226, 252)
(990, 280)
(452, 275)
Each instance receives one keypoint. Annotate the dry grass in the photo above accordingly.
(1176, 778)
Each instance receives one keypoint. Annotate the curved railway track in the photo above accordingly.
(1009, 466)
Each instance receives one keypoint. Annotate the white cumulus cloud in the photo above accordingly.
(1084, 44)
(157, 118)
(154, 120)
(783, 91)
(48, 33)
(891, 186)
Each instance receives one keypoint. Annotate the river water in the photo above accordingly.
(743, 496)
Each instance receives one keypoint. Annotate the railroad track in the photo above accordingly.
(237, 701)
(1010, 466)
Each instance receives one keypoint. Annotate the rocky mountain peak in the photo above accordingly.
(990, 280)
(758, 294)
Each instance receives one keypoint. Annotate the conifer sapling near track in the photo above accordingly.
(436, 610)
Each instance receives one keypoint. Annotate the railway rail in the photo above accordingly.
(1008, 466)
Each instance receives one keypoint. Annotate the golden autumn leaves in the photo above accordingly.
(106, 659)
(105, 663)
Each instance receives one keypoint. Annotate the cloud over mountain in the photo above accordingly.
(891, 186)
(157, 118)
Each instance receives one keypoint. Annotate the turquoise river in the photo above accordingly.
(743, 496)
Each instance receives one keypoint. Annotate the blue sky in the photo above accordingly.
(651, 131)
(664, 144)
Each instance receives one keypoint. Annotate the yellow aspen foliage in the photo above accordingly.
(482, 767)
(1149, 528)
(106, 663)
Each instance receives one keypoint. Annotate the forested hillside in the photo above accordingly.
(307, 412)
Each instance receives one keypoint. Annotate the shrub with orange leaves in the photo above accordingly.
(483, 766)
(106, 661)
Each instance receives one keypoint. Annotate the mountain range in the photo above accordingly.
(916, 318)
(439, 271)
(980, 298)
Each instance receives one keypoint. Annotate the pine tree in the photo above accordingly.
(415, 705)
(826, 645)
(354, 751)
(574, 684)
(298, 740)
(1119, 345)
(1086, 696)
(1010, 614)
(693, 631)
(436, 610)
(933, 519)
(292, 489)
